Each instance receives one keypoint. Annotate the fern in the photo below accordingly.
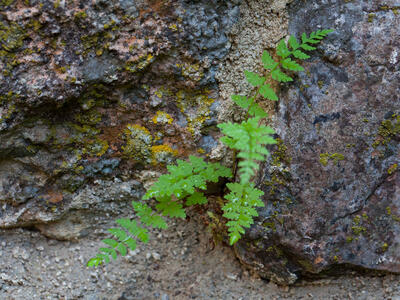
(185, 182)
(181, 187)
(249, 138)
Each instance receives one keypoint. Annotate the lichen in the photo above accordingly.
(371, 17)
(163, 154)
(191, 71)
(138, 143)
(195, 107)
(279, 173)
(325, 157)
(392, 169)
(12, 36)
(387, 130)
(139, 64)
(162, 118)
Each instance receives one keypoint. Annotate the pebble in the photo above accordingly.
(231, 276)
(156, 256)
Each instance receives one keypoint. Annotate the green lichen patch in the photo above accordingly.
(195, 107)
(5, 3)
(96, 43)
(387, 130)
(12, 36)
(280, 162)
(86, 140)
(325, 157)
(8, 105)
(139, 64)
(138, 143)
(392, 169)
(191, 71)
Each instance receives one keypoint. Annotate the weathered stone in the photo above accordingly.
(332, 188)
(99, 91)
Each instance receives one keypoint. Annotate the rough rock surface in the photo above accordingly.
(179, 263)
(96, 97)
(332, 186)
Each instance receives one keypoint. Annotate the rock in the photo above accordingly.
(81, 87)
(156, 256)
(332, 186)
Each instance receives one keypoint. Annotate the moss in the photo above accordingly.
(384, 247)
(56, 3)
(162, 118)
(269, 225)
(325, 157)
(349, 239)
(306, 265)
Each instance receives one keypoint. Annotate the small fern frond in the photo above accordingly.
(121, 244)
(268, 62)
(240, 208)
(249, 139)
(254, 79)
(148, 216)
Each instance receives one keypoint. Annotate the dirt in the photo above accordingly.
(181, 262)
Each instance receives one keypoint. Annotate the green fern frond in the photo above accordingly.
(184, 180)
(254, 79)
(249, 139)
(240, 208)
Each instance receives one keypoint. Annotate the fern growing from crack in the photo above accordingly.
(185, 182)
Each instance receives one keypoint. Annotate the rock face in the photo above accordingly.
(96, 97)
(332, 186)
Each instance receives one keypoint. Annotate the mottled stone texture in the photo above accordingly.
(332, 186)
(96, 97)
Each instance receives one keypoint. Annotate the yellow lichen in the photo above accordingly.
(162, 118)
(392, 169)
(138, 143)
(191, 71)
(325, 157)
(163, 154)
(195, 107)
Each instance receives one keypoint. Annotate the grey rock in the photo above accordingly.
(335, 203)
